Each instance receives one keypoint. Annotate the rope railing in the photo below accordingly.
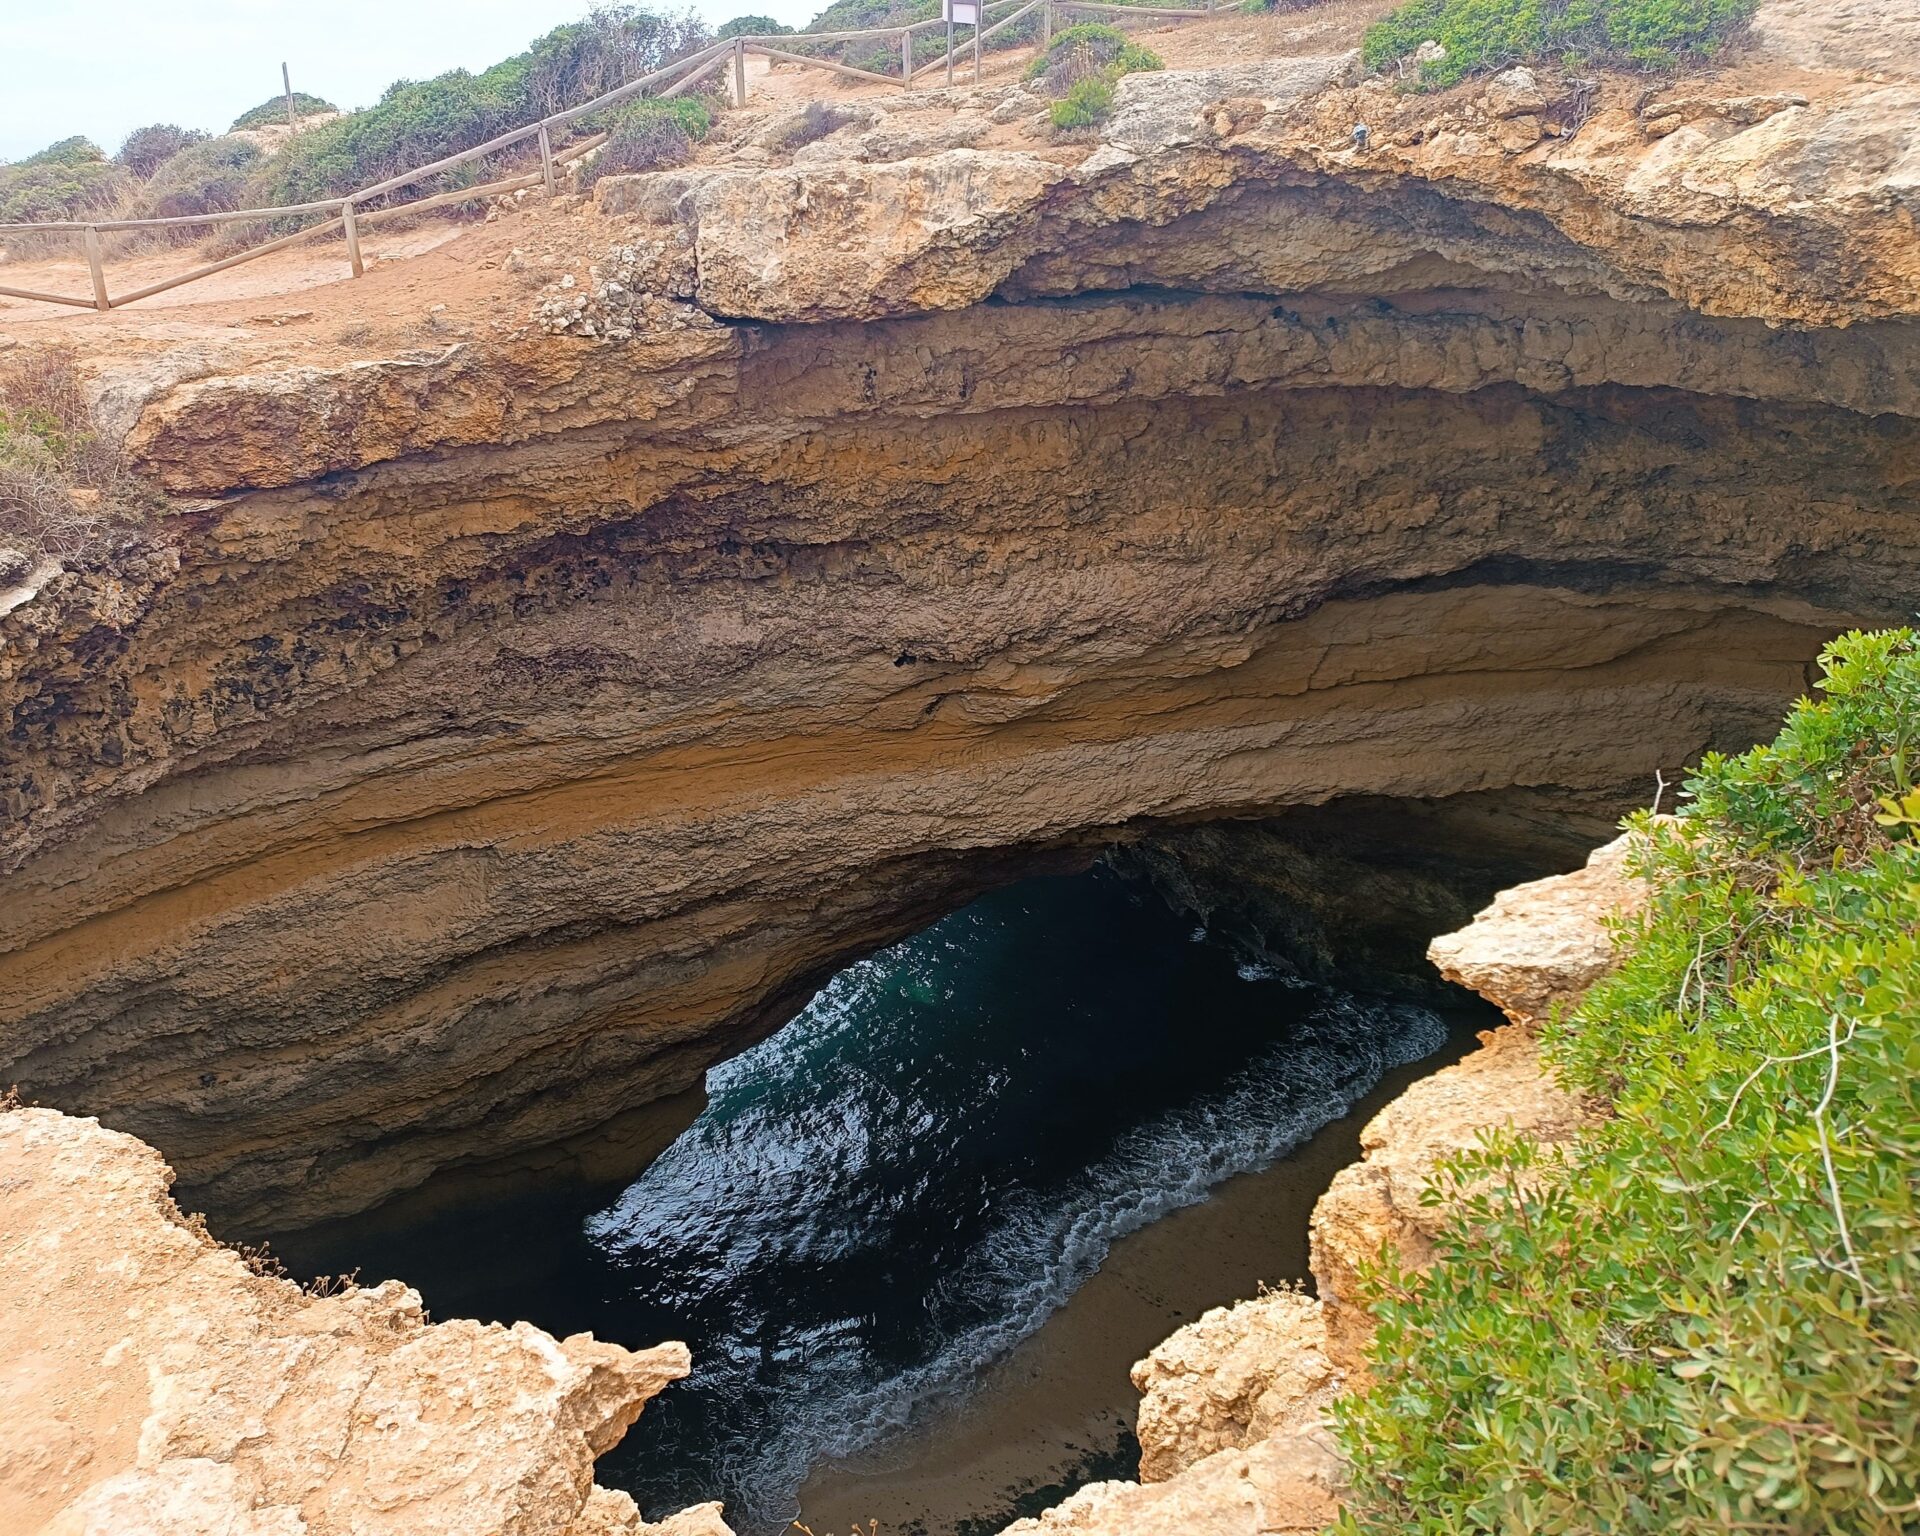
(350, 214)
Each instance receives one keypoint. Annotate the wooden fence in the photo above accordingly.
(349, 215)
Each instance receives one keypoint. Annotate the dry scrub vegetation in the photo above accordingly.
(66, 493)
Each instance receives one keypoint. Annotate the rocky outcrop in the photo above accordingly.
(509, 729)
(1537, 947)
(158, 1384)
(1240, 1374)
(1284, 1485)
(1231, 1425)
(1379, 1204)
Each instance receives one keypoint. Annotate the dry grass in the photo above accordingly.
(65, 490)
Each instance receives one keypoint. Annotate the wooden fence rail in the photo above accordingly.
(349, 215)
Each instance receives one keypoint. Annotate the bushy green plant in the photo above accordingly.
(1088, 101)
(1089, 50)
(1704, 1315)
(419, 121)
(1492, 34)
(615, 44)
(68, 180)
(147, 149)
(272, 113)
(650, 135)
(206, 177)
(752, 26)
(416, 122)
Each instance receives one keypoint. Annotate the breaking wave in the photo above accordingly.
(906, 1181)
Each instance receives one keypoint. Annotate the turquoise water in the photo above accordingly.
(904, 1182)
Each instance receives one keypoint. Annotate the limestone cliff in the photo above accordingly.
(1232, 1434)
(171, 1386)
(157, 1384)
(501, 730)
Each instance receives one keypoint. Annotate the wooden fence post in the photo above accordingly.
(949, 42)
(286, 84)
(351, 227)
(1046, 26)
(91, 239)
(906, 60)
(739, 71)
(976, 43)
(546, 159)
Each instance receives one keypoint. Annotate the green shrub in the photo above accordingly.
(752, 26)
(207, 177)
(650, 135)
(419, 121)
(272, 113)
(1491, 34)
(1703, 1317)
(68, 180)
(147, 149)
(1090, 50)
(615, 44)
(1088, 101)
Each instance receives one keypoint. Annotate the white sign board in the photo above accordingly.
(963, 13)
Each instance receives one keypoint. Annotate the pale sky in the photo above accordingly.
(105, 67)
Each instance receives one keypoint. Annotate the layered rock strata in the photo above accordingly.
(156, 1384)
(1232, 1433)
(502, 733)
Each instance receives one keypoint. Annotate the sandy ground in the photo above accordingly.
(998, 1454)
(442, 280)
(456, 263)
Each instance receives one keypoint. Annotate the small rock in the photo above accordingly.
(1012, 109)
(1514, 93)
(1516, 135)
(1429, 52)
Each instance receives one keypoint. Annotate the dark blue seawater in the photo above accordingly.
(905, 1181)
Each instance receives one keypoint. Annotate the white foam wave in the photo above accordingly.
(1039, 1248)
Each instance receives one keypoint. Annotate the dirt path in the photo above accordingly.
(428, 283)
(441, 280)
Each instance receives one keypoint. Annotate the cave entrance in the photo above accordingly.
(917, 1237)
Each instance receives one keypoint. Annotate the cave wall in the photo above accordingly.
(500, 738)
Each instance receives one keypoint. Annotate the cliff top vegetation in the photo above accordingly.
(1706, 1315)
(272, 112)
(1579, 34)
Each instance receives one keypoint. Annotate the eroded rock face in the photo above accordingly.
(1277, 1486)
(1536, 946)
(1377, 1203)
(1239, 1374)
(155, 1385)
(1540, 945)
(518, 727)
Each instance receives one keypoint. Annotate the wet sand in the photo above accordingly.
(999, 1454)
